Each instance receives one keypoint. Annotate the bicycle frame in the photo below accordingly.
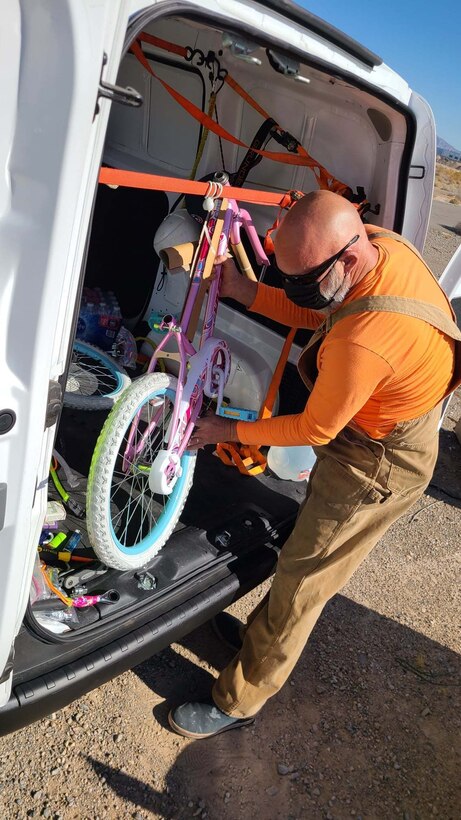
(201, 371)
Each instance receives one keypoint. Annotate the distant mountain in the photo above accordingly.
(446, 146)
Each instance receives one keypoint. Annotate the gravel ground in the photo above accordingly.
(367, 727)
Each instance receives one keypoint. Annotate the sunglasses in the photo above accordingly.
(323, 268)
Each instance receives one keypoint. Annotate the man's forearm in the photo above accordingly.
(245, 291)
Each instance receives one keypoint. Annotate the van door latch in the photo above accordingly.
(53, 406)
(125, 96)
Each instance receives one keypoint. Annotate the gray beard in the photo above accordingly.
(335, 287)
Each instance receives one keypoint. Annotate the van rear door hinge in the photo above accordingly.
(125, 96)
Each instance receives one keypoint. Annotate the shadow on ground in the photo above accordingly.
(446, 481)
(453, 228)
(367, 726)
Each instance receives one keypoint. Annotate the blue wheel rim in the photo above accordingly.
(170, 507)
(85, 350)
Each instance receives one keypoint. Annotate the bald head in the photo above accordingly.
(314, 229)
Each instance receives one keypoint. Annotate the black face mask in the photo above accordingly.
(304, 289)
(306, 295)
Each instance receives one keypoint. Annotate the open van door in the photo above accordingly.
(52, 60)
(421, 173)
(451, 283)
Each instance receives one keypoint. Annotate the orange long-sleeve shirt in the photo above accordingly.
(374, 368)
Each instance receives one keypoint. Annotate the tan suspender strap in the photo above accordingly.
(435, 316)
(403, 241)
(418, 310)
(398, 238)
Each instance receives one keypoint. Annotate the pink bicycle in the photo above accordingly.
(142, 471)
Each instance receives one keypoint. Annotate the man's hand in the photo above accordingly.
(210, 429)
(233, 284)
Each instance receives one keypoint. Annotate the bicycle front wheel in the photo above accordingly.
(128, 523)
(95, 381)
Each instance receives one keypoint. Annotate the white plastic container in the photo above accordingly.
(291, 463)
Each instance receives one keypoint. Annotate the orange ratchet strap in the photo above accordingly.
(301, 158)
(324, 178)
(181, 51)
(153, 182)
(247, 458)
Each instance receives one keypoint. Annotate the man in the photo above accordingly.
(378, 369)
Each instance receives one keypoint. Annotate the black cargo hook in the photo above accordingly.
(216, 74)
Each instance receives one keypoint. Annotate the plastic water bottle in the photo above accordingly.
(87, 322)
(291, 463)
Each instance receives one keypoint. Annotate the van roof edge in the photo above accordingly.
(326, 30)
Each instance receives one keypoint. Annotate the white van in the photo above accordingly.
(71, 102)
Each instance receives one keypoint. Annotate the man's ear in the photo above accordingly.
(349, 261)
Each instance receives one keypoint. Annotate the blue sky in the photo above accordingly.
(420, 39)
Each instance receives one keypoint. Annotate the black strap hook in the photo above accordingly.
(194, 54)
(216, 73)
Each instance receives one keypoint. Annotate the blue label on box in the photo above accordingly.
(238, 413)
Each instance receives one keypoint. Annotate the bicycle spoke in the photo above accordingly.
(140, 510)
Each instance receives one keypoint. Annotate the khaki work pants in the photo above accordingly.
(359, 486)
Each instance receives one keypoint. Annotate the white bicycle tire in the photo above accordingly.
(99, 494)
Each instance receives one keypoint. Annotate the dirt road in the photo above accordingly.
(367, 727)
(445, 215)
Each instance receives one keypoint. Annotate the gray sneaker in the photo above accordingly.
(199, 720)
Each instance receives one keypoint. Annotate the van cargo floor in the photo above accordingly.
(225, 516)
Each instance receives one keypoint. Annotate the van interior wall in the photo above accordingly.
(352, 133)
